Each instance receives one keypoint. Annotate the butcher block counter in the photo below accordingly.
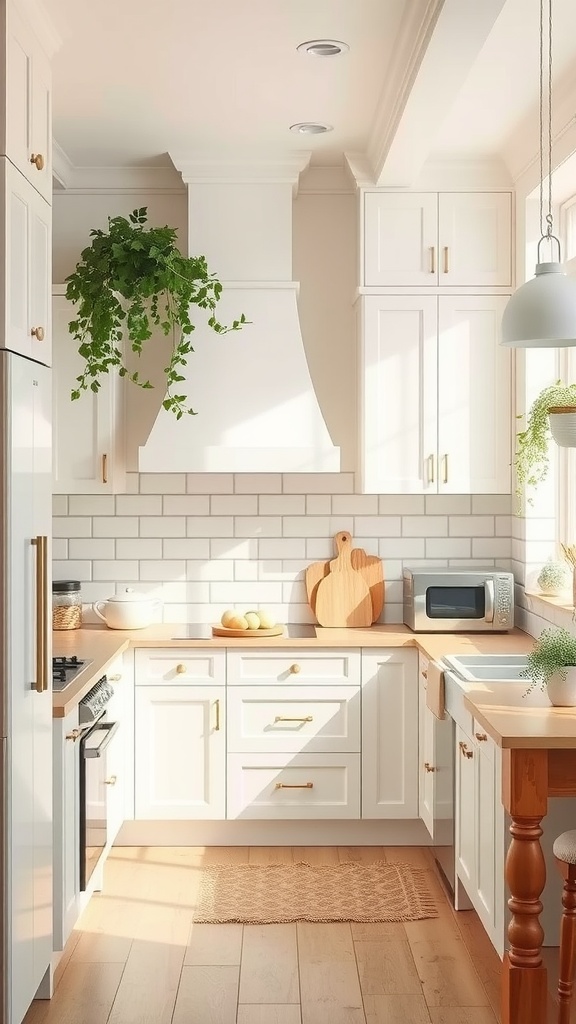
(100, 645)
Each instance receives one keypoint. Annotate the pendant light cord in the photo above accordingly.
(546, 228)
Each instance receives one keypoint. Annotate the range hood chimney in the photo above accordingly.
(256, 407)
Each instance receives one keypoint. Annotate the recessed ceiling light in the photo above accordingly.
(311, 128)
(323, 47)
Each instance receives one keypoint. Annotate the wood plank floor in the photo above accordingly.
(137, 958)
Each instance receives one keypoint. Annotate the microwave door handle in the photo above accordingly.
(489, 592)
(111, 728)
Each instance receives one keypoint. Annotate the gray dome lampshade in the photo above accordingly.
(542, 312)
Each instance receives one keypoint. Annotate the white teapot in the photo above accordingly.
(128, 610)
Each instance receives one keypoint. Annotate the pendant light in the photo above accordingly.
(542, 312)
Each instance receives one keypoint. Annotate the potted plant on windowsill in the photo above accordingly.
(552, 666)
(552, 414)
(128, 281)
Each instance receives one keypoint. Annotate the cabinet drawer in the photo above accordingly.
(286, 718)
(178, 666)
(290, 666)
(294, 786)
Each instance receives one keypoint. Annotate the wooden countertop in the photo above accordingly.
(514, 720)
(101, 645)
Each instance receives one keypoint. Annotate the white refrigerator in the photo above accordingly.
(25, 684)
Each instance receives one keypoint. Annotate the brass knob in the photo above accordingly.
(295, 669)
(481, 736)
(38, 333)
(424, 673)
(180, 669)
(429, 767)
(115, 678)
(111, 781)
(38, 160)
(74, 734)
(464, 749)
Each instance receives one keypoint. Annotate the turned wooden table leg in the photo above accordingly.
(524, 985)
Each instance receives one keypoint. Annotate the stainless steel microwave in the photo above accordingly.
(458, 600)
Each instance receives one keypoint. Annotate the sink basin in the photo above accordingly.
(488, 667)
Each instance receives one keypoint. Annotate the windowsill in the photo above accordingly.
(558, 610)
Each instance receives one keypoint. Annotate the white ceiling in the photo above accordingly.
(137, 79)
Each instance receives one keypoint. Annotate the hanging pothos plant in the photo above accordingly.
(128, 281)
(532, 459)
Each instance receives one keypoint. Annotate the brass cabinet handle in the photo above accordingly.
(180, 669)
(115, 678)
(446, 265)
(38, 160)
(217, 726)
(431, 468)
(445, 464)
(282, 718)
(41, 545)
(481, 736)
(301, 785)
(111, 781)
(104, 469)
(74, 735)
(429, 767)
(432, 259)
(464, 749)
(424, 673)
(295, 669)
(38, 333)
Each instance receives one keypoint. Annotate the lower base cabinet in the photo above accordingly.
(288, 786)
(180, 752)
(436, 768)
(66, 828)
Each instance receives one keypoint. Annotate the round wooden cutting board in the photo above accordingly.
(224, 631)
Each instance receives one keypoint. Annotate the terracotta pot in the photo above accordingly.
(563, 425)
(562, 692)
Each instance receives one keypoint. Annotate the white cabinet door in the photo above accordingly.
(436, 773)
(390, 734)
(288, 786)
(180, 762)
(487, 803)
(398, 398)
(475, 239)
(26, 245)
(88, 432)
(28, 135)
(66, 828)
(474, 425)
(400, 238)
(465, 824)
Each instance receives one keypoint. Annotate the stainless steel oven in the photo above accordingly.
(458, 600)
(97, 735)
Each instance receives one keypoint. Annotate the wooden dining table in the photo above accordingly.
(538, 762)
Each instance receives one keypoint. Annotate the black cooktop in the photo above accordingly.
(201, 631)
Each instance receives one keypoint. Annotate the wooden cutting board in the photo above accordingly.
(370, 567)
(343, 596)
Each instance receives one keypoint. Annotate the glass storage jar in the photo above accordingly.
(66, 604)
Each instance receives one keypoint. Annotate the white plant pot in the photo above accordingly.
(563, 425)
(562, 692)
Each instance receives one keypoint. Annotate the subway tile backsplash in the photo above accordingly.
(205, 542)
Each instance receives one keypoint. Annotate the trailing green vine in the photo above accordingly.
(532, 444)
(128, 281)
(553, 651)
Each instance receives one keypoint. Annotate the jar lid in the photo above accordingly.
(65, 586)
(130, 595)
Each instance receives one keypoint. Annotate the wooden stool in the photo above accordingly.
(565, 853)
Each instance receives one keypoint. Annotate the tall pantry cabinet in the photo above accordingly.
(435, 384)
(25, 509)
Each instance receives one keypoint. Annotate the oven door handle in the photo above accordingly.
(111, 728)
(489, 592)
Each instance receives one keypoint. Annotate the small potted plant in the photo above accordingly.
(554, 578)
(550, 415)
(552, 666)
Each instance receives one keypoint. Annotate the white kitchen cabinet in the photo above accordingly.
(436, 756)
(66, 780)
(288, 786)
(26, 245)
(293, 666)
(428, 239)
(89, 450)
(26, 133)
(390, 734)
(119, 709)
(465, 811)
(293, 718)
(424, 427)
(180, 752)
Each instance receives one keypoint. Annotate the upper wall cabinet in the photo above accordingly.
(26, 136)
(456, 239)
(88, 436)
(25, 219)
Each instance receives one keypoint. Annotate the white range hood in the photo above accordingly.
(256, 407)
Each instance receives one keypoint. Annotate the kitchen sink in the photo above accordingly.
(488, 667)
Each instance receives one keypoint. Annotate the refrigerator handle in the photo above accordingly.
(41, 544)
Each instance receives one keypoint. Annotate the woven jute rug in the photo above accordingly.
(278, 893)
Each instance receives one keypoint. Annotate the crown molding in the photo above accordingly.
(70, 179)
(360, 170)
(326, 180)
(521, 152)
(285, 169)
(442, 173)
(42, 24)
